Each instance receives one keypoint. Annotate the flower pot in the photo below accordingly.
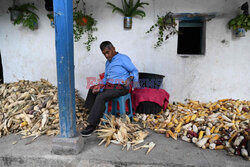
(14, 14)
(127, 22)
(240, 32)
(52, 23)
(35, 25)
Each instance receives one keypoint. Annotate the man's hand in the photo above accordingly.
(128, 81)
(96, 89)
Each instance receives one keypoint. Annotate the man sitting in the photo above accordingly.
(119, 72)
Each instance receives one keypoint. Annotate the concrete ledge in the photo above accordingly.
(167, 152)
(67, 146)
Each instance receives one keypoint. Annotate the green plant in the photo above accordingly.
(50, 16)
(164, 23)
(83, 23)
(129, 9)
(240, 21)
(27, 15)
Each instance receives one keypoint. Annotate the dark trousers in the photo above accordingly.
(96, 102)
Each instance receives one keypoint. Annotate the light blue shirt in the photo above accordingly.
(119, 69)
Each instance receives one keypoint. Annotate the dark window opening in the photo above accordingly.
(49, 5)
(191, 37)
(1, 70)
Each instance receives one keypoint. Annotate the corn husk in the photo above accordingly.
(122, 132)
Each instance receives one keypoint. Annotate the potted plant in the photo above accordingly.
(14, 12)
(164, 24)
(26, 16)
(83, 23)
(240, 24)
(51, 18)
(129, 9)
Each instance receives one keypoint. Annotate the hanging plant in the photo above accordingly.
(83, 24)
(129, 9)
(240, 21)
(240, 24)
(51, 19)
(26, 15)
(164, 24)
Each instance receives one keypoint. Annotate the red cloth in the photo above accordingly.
(159, 96)
(101, 75)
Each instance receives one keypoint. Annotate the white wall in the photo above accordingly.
(222, 73)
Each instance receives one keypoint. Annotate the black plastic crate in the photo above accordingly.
(150, 80)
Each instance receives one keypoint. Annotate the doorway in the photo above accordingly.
(1, 70)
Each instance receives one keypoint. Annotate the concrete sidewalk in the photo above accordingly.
(167, 152)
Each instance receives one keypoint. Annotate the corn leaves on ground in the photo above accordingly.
(216, 125)
(31, 109)
(121, 131)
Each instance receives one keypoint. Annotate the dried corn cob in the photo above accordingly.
(222, 121)
(23, 104)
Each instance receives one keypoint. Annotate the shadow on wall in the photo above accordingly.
(1, 70)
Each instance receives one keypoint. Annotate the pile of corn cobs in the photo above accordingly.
(122, 132)
(31, 109)
(220, 125)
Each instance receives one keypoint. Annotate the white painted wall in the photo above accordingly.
(224, 71)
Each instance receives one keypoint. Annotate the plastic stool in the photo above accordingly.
(122, 102)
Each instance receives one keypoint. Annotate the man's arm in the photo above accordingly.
(101, 83)
(128, 81)
(127, 64)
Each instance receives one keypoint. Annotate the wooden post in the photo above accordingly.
(63, 16)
